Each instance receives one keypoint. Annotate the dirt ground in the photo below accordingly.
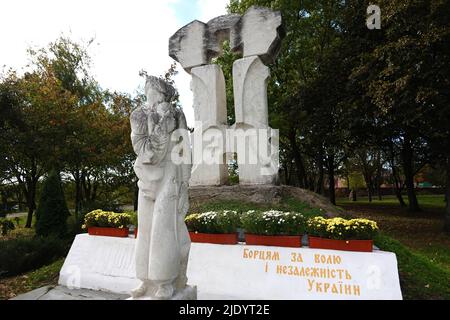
(416, 230)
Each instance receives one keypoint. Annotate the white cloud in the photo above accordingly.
(129, 36)
(211, 8)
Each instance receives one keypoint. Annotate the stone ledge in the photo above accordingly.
(188, 293)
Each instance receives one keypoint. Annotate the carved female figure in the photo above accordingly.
(163, 243)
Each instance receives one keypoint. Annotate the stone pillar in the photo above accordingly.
(210, 112)
(250, 91)
(252, 138)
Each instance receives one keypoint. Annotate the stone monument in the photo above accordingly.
(257, 36)
(158, 134)
(156, 264)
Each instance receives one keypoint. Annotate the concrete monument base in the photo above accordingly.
(241, 271)
(188, 293)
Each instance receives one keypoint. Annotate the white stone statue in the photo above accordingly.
(163, 242)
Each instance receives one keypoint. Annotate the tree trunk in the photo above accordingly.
(447, 198)
(78, 195)
(4, 202)
(320, 188)
(31, 201)
(297, 158)
(289, 174)
(407, 158)
(331, 189)
(380, 196)
(347, 180)
(94, 191)
(354, 195)
(378, 178)
(89, 187)
(285, 171)
(367, 174)
(397, 189)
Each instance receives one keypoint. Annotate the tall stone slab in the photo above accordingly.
(250, 91)
(221, 28)
(253, 140)
(257, 153)
(210, 112)
(261, 31)
(188, 45)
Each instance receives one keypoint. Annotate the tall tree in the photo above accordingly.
(52, 212)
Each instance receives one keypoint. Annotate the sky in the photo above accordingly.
(130, 35)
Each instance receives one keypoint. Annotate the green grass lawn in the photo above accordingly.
(437, 254)
(430, 201)
(421, 277)
(44, 276)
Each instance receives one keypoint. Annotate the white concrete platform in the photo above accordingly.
(223, 272)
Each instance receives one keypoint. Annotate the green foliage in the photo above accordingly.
(225, 61)
(133, 217)
(342, 229)
(287, 204)
(101, 204)
(293, 204)
(106, 219)
(24, 254)
(6, 225)
(273, 222)
(233, 171)
(44, 276)
(225, 221)
(420, 278)
(338, 88)
(56, 115)
(356, 180)
(52, 211)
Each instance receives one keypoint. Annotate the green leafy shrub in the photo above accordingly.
(104, 205)
(133, 217)
(106, 219)
(273, 222)
(52, 211)
(225, 221)
(23, 254)
(6, 225)
(342, 229)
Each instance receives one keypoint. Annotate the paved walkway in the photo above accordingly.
(64, 293)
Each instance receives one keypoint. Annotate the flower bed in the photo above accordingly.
(273, 228)
(276, 241)
(341, 234)
(106, 223)
(108, 232)
(217, 227)
(217, 238)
